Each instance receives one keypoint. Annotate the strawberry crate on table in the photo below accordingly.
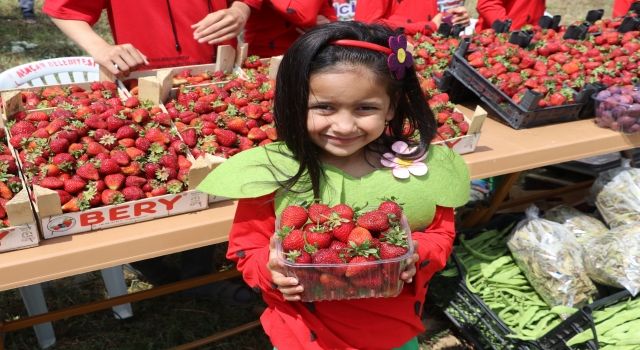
(160, 85)
(256, 64)
(121, 156)
(341, 253)
(18, 227)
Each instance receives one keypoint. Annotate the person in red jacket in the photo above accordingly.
(621, 7)
(521, 12)
(150, 33)
(275, 24)
(415, 16)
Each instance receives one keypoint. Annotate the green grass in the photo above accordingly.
(50, 41)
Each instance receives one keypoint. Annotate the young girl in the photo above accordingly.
(344, 92)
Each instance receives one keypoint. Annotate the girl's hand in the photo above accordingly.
(288, 286)
(410, 270)
(460, 15)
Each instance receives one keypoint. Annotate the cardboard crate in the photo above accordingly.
(55, 223)
(23, 232)
(467, 143)
(157, 86)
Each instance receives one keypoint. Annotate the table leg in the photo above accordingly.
(114, 282)
(483, 215)
(33, 299)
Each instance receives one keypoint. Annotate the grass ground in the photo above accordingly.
(171, 320)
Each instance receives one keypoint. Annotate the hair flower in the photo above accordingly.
(403, 168)
(400, 59)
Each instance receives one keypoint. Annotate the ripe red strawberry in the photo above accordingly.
(126, 132)
(94, 148)
(150, 170)
(359, 236)
(344, 210)
(390, 251)
(225, 137)
(109, 197)
(391, 207)
(330, 281)
(74, 185)
(298, 257)
(271, 132)
(114, 181)
(339, 246)
(132, 193)
(342, 231)
(189, 137)
(22, 128)
(374, 220)
(319, 213)
(134, 153)
(327, 256)
(59, 145)
(88, 171)
(237, 125)
(135, 181)
(55, 126)
(51, 183)
(157, 135)
(319, 236)
(369, 280)
(293, 216)
(292, 239)
(132, 102)
(169, 161)
(120, 157)
(64, 196)
(183, 162)
(140, 116)
(244, 143)
(355, 267)
(143, 144)
(108, 166)
(132, 169)
(256, 134)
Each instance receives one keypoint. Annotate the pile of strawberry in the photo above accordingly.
(106, 153)
(557, 68)
(432, 53)
(10, 182)
(338, 252)
(225, 119)
(74, 95)
(185, 77)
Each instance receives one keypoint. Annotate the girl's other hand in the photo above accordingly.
(460, 15)
(288, 286)
(410, 270)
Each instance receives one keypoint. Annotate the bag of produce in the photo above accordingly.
(618, 200)
(551, 259)
(581, 225)
(613, 259)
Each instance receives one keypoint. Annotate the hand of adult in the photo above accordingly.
(410, 270)
(288, 286)
(460, 15)
(222, 25)
(119, 59)
(437, 19)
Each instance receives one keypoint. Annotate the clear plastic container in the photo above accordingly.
(618, 108)
(328, 281)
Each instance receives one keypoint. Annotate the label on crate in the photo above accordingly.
(18, 237)
(123, 214)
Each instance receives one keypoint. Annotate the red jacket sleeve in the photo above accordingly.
(81, 10)
(621, 7)
(491, 10)
(251, 231)
(435, 243)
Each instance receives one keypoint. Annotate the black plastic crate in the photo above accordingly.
(482, 327)
(526, 114)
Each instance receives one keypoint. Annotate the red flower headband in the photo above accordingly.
(399, 58)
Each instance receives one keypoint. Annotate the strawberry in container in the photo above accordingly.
(106, 153)
(65, 95)
(338, 253)
(10, 183)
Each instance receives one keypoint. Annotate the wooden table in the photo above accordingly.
(501, 150)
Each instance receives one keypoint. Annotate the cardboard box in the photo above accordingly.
(23, 232)
(55, 223)
(467, 143)
(157, 85)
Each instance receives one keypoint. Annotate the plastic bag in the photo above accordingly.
(617, 196)
(581, 225)
(551, 259)
(614, 258)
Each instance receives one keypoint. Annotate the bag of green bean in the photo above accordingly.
(552, 260)
(614, 259)
(580, 224)
(617, 196)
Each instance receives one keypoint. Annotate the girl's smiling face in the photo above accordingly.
(348, 109)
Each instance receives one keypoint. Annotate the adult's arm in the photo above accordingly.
(491, 10)
(116, 58)
(302, 13)
(222, 25)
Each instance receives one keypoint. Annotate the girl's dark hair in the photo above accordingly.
(313, 53)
